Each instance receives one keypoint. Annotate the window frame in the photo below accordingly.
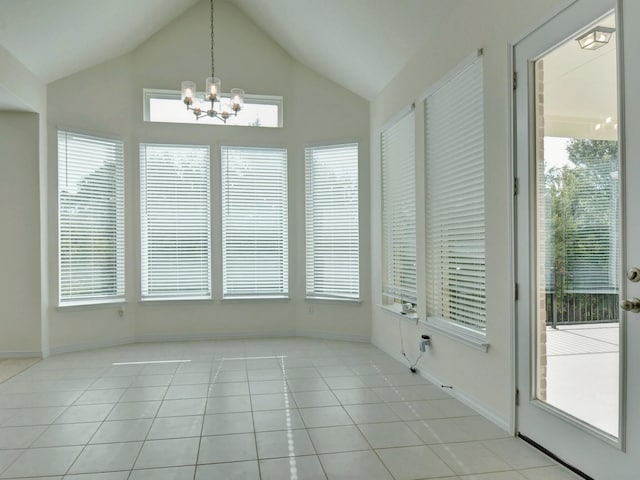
(465, 332)
(338, 296)
(391, 300)
(120, 224)
(285, 266)
(175, 295)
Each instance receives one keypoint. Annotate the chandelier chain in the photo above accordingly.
(212, 42)
(215, 104)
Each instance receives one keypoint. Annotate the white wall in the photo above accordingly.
(485, 379)
(23, 158)
(20, 239)
(20, 90)
(98, 100)
(107, 99)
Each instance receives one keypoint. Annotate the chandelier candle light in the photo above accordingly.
(219, 107)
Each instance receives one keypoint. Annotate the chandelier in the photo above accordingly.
(213, 104)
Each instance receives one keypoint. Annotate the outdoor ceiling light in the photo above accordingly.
(218, 107)
(595, 38)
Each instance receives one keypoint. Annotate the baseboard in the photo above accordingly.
(482, 409)
(76, 347)
(212, 336)
(341, 337)
(9, 354)
(469, 400)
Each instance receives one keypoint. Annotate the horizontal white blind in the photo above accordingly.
(455, 220)
(90, 218)
(254, 222)
(175, 222)
(332, 238)
(399, 210)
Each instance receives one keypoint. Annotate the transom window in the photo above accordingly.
(257, 111)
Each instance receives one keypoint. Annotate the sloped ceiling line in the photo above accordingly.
(359, 44)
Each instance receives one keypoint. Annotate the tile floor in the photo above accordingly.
(275, 409)
(10, 367)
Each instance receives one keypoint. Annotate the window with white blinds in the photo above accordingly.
(455, 219)
(175, 222)
(399, 211)
(90, 219)
(254, 222)
(332, 237)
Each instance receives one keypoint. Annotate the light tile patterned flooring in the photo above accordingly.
(274, 409)
(10, 367)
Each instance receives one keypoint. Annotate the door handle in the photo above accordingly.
(632, 305)
(634, 274)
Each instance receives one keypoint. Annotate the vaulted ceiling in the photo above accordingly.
(55, 38)
(359, 44)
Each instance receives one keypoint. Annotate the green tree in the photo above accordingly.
(587, 152)
(582, 209)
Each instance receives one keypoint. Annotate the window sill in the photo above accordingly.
(249, 298)
(468, 336)
(151, 300)
(333, 300)
(83, 304)
(396, 311)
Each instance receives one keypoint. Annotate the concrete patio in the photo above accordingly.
(583, 372)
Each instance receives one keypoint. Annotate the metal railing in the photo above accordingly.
(572, 307)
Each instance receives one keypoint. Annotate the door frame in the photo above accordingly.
(525, 258)
(513, 206)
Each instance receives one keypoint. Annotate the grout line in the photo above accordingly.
(212, 379)
(67, 409)
(595, 340)
(391, 380)
(255, 358)
(17, 369)
(253, 421)
(132, 377)
(152, 421)
(148, 362)
(386, 379)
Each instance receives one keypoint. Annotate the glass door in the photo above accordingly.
(572, 343)
(577, 201)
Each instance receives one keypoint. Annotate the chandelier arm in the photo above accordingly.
(198, 113)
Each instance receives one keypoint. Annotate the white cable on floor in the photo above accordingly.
(412, 366)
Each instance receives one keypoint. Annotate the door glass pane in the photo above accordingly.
(578, 228)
